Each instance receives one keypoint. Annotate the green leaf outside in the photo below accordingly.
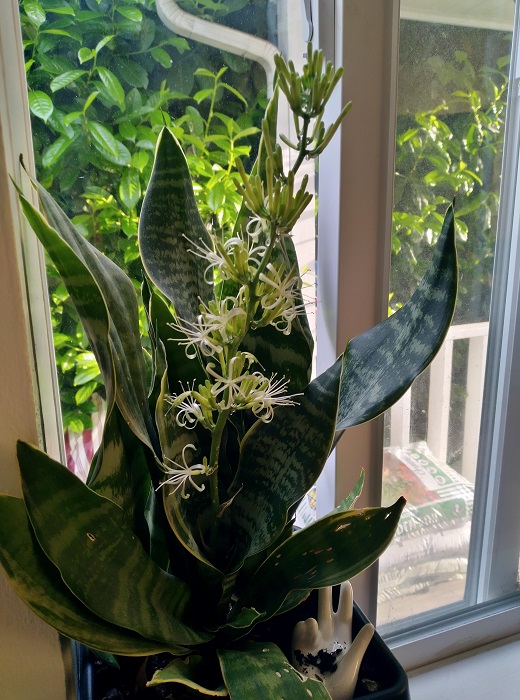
(112, 84)
(132, 73)
(66, 78)
(162, 57)
(131, 13)
(102, 137)
(55, 151)
(85, 54)
(35, 12)
(40, 104)
(130, 188)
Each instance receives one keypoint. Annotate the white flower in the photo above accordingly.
(180, 474)
(193, 407)
(257, 226)
(278, 297)
(249, 390)
(217, 326)
(235, 259)
(265, 395)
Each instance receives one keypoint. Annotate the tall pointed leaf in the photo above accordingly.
(39, 584)
(84, 291)
(261, 670)
(169, 221)
(180, 367)
(286, 356)
(112, 310)
(280, 461)
(381, 363)
(81, 531)
(120, 473)
(330, 551)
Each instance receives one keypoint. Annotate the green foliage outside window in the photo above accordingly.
(451, 151)
(104, 77)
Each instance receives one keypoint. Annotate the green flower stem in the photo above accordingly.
(216, 441)
(303, 145)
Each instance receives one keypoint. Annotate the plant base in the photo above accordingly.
(381, 677)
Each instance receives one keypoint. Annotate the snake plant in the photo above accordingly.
(182, 539)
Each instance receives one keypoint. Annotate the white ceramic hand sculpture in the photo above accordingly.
(324, 649)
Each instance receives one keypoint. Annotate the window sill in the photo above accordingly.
(489, 672)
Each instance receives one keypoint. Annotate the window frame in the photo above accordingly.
(30, 410)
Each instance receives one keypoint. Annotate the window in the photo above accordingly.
(489, 600)
(453, 81)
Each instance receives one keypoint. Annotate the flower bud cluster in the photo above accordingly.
(275, 199)
(307, 94)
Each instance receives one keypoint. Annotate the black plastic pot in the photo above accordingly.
(381, 677)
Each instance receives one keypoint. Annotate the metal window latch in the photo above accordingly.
(308, 32)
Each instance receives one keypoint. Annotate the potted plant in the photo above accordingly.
(181, 545)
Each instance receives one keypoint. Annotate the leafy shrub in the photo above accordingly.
(104, 77)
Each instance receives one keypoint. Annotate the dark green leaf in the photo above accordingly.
(330, 551)
(180, 367)
(39, 584)
(261, 670)
(280, 461)
(99, 558)
(169, 222)
(95, 283)
(286, 356)
(381, 363)
(162, 57)
(132, 72)
(55, 151)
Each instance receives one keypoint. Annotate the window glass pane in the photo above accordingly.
(451, 108)
(104, 77)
